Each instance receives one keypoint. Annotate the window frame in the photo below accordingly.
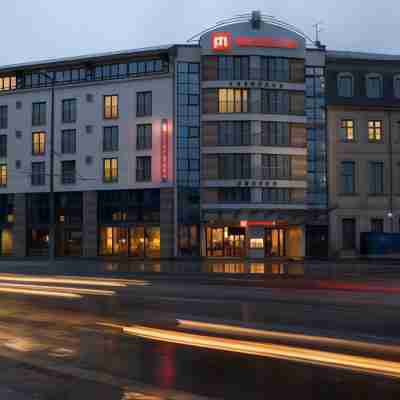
(71, 177)
(144, 137)
(3, 145)
(69, 111)
(344, 178)
(39, 147)
(113, 175)
(368, 89)
(110, 139)
(376, 182)
(375, 128)
(3, 175)
(39, 117)
(344, 125)
(111, 111)
(38, 179)
(340, 91)
(68, 149)
(141, 175)
(144, 106)
(4, 116)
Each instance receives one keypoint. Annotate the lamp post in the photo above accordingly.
(52, 228)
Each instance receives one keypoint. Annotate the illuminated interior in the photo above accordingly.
(226, 242)
(7, 243)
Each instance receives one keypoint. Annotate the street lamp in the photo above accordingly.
(52, 228)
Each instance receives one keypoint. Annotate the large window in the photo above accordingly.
(234, 133)
(144, 104)
(8, 83)
(39, 113)
(144, 137)
(275, 69)
(68, 172)
(275, 102)
(68, 141)
(233, 68)
(374, 86)
(349, 234)
(3, 117)
(110, 107)
(276, 195)
(3, 175)
(38, 177)
(110, 170)
(276, 166)
(375, 131)
(233, 195)
(376, 177)
(3, 146)
(234, 166)
(348, 177)
(110, 138)
(38, 143)
(345, 85)
(377, 225)
(143, 169)
(348, 131)
(275, 134)
(233, 100)
(69, 110)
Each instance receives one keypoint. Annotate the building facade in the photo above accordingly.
(215, 149)
(364, 147)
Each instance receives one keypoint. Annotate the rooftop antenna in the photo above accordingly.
(318, 30)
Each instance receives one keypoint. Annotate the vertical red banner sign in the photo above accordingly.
(164, 150)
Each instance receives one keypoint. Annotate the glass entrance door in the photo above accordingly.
(235, 243)
(275, 243)
(226, 242)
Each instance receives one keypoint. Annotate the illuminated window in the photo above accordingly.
(7, 244)
(110, 170)
(3, 175)
(39, 113)
(110, 107)
(8, 83)
(348, 130)
(38, 143)
(257, 243)
(375, 132)
(233, 100)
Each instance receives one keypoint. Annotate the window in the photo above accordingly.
(110, 107)
(377, 225)
(69, 110)
(8, 83)
(234, 166)
(396, 86)
(375, 133)
(232, 195)
(276, 195)
(38, 113)
(110, 138)
(275, 134)
(374, 86)
(110, 170)
(144, 137)
(3, 117)
(276, 166)
(143, 169)
(68, 172)
(275, 69)
(349, 234)
(3, 145)
(144, 104)
(3, 175)
(233, 100)
(348, 133)
(234, 133)
(376, 173)
(233, 68)
(68, 141)
(38, 177)
(345, 85)
(38, 143)
(275, 102)
(348, 177)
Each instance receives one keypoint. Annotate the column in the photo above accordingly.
(90, 226)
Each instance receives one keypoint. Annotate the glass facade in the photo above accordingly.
(188, 156)
(316, 132)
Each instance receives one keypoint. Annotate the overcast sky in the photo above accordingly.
(40, 29)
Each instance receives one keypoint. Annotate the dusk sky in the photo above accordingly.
(41, 29)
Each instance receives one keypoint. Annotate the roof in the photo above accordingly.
(354, 55)
(88, 57)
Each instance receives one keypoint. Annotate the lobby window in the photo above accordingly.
(143, 169)
(377, 225)
(276, 195)
(3, 146)
(69, 110)
(374, 86)
(396, 86)
(68, 172)
(345, 85)
(110, 170)
(3, 175)
(233, 100)
(38, 177)
(144, 137)
(233, 68)
(68, 141)
(234, 133)
(144, 104)
(376, 176)
(348, 131)
(39, 113)
(38, 143)
(348, 177)
(110, 107)
(110, 138)
(275, 134)
(375, 131)
(349, 234)
(3, 117)
(276, 166)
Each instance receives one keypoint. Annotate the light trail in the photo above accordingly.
(40, 293)
(289, 353)
(59, 289)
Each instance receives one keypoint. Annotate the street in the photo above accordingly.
(160, 336)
